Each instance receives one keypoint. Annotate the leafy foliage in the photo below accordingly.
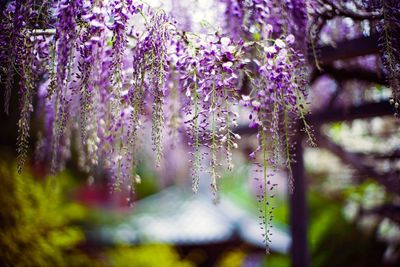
(148, 255)
(37, 227)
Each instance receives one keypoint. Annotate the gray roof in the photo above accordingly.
(179, 217)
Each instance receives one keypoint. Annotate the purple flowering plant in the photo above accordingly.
(103, 70)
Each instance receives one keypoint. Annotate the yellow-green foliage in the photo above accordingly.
(36, 225)
(234, 258)
(146, 256)
(38, 228)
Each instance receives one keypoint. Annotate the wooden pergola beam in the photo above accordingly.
(390, 211)
(344, 74)
(393, 155)
(348, 49)
(363, 111)
(389, 181)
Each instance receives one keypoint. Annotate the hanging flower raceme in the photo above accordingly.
(90, 69)
(279, 92)
(209, 70)
(109, 67)
(117, 110)
(8, 34)
(276, 102)
(19, 61)
(61, 63)
(390, 45)
(159, 39)
(119, 19)
(251, 19)
(148, 90)
(246, 18)
(298, 22)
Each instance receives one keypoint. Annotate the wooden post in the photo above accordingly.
(298, 208)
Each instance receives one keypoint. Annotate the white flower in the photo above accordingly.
(270, 49)
(282, 55)
(290, 39)
(246, 97)
(255, 103)
(225, 41)
(228, 64)
(279, 43)
(223, 140)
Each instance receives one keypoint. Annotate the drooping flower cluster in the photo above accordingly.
(246, 18)
(132, 73)
(298, 22)
(276, 102)
(210, 83)
(251, 18)
(61, 70)
(390, 45)
(150, 73)
(18, 55)
(281, 88)
(8, 35)
(105, 69)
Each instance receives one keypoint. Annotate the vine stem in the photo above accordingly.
(196, 163)
(265, 184)
(213, 148)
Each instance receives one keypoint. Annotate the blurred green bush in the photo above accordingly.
(37, 227)
(146, 256)
(41, 227)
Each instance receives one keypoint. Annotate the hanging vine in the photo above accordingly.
(105, 69)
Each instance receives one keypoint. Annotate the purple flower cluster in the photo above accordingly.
(297, 13)
(390, 45)
(280, 86)
(105, 72)
(209, 80)
(108, 74)
(276, 101)
(108, 68)
(148, 85)
(119, 18)
(8, 32)
(253, 19)
(19, 56)
(246, 18)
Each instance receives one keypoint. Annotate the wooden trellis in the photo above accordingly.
(298, 200)
(345, 50)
